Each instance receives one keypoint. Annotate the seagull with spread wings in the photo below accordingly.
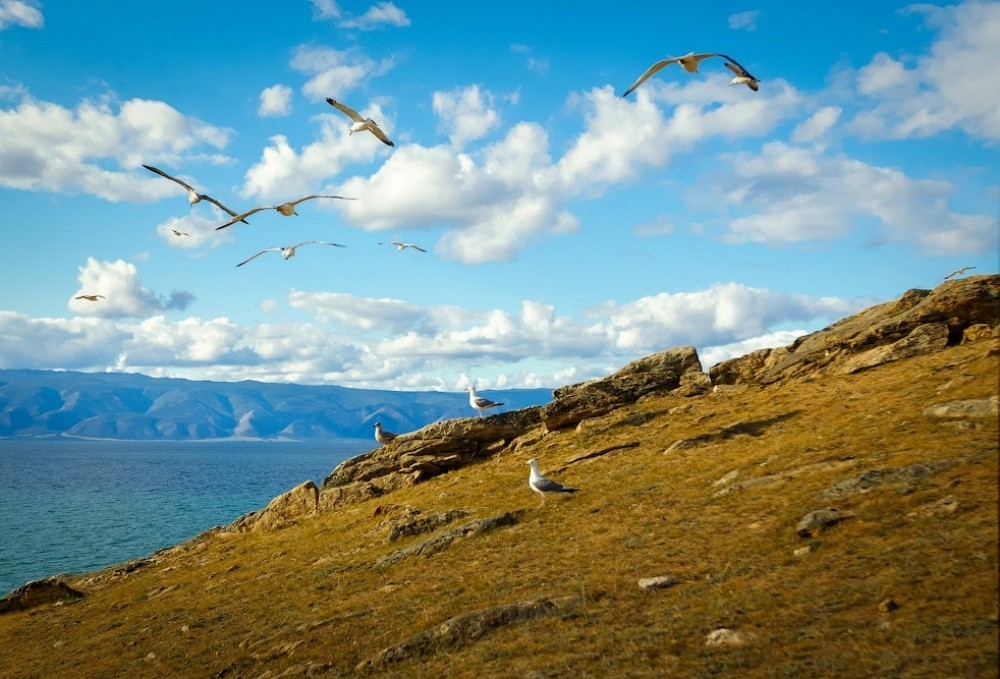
(288, 251)
(689, 62)
(403, 246)
(360, 124)
(193, 196)
(90, 298)
(958, 272)
(286, 209)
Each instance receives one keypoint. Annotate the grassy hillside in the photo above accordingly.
(906, 586)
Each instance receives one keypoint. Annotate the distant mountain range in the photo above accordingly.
(48, 404)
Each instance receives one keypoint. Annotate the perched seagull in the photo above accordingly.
(959, 272)
(382, 436)
(288, 251)
(90, 298)
(286, 209)
(689, 62)
(403, 246)
(360, 123)
(193, 196)
(542, 485)
(480, 403)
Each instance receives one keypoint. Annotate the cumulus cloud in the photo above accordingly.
(467, 113)
(941, 90)
(816, 125)
(44, 146)
(744, 21)
(195, 231)
(334, 71)
(20, 13)
(275, 100)
(124, 295)
(379, 15)
(790, 194)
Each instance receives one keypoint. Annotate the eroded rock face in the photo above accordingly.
(281, 511)
(883, 332)
(660, 372)
(38, 593)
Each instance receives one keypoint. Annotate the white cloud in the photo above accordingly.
(467, 113)
(275, 100)
(791, 194)
(712, 355)
(20, 13)
(195, 231)
(44, 146)
(816, 125)
(942, 90)
(744, 21)
(334, 71)
(124, 295)
(326, 9)
(378, 15)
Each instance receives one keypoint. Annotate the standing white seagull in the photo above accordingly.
(286, 209)
(481, 403)
(542, 485)
(689, 62)
(360, 123)
(382, 436)
(288, 251)
(193, 196)
(403, 246)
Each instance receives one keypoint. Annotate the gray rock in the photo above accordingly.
(658, 582)
(815, 522)
(726, 637)
(282, 511)
(924, 339)
(910, 475)
(439, 542)
(980, 408)
(38, 593)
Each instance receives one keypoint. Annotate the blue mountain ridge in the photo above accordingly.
(127, 406)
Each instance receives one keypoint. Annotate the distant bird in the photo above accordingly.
(480, 403)
(403, 246)
(90, 298)
(360, 123)
(176, 232)
(382, 436)
(689, 62)
(958, 272)
(193, 196)
(286, 209)
(288, 251)
(542, 485)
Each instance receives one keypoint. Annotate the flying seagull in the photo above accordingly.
(286, 209)
(542, 485)
(288, 251)
(481, 403)
(689, 62)
(359, 122)
(90, 298)
(193, 196)
(403, 246)
(382, 436)
(958, 272)
(176, 232)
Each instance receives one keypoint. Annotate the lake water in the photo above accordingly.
(75, 506)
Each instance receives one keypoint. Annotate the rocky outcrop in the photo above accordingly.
(815, 522)
(282, 511)
(921, 321)
(439, 542)
(38, 593)
(424, 454)
(661, 372)
(467, 628)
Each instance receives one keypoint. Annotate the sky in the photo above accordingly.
(568, 230)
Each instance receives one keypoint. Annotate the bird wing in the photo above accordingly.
(350, 112)
(650, 71)
(213, 201)
(272, 249)
(377, 131)
(735, 66)
(241, 217)
(485, 402)
(415, 247)
(171, 178)
(545, 485)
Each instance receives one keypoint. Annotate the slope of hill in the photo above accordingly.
(836, 518)
(36, 403)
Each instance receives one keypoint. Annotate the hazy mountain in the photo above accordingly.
(39, 403)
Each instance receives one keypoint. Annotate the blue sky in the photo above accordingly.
(568, 230)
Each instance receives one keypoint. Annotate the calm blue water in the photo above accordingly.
(77, 506)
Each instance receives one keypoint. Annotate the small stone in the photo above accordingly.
(726, 637)
(888, 605)
(151, 656)
(185, 629)
(813, 523)
(658, 582)
(802, 551)
(59, 644)
(727, 478)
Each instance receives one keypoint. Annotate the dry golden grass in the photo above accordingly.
(258, 604)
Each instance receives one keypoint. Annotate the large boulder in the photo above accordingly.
(282, 511)
(660, 372)
(921, 321)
